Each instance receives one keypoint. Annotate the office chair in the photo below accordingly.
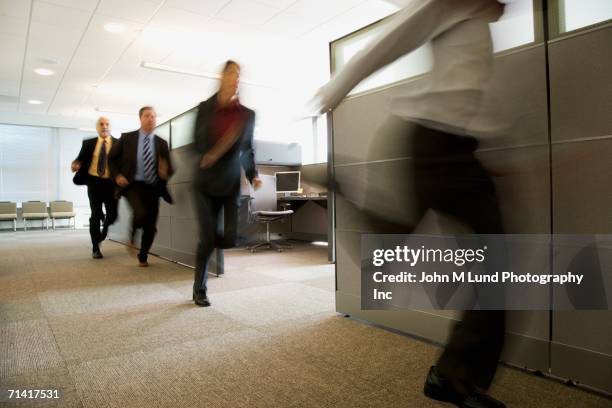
(263, 209)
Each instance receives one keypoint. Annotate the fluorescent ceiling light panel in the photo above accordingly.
(35, 102)
(44, 71)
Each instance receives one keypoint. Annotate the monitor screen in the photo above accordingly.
(287, 181)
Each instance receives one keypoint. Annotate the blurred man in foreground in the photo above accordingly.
(448, 177)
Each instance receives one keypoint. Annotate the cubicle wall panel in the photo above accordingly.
(183, 206)
(348, 269)
(582, 340)
(119, 231)
(582, 191)
(580, 85)
(310, 219)
(527, 339)
(514, 108)
(185, 239)
(582, 365)
(364, 130)
(184, 162)
(522, 183)
(163, 237)
(384, 190)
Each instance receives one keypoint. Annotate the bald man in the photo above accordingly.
(92, 170)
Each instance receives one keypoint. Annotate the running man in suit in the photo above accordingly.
(448, 176)
(140, 165)
(92, 169)
(223, 142)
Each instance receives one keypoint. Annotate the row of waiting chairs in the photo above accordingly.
(37, 210)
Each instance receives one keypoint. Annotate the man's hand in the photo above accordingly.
(256, 183)
(121, 180)
(163, 169)
(208, 160)
(76, 166)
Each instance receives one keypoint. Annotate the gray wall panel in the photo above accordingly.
(582, 365)
(581, 186)
(581, 86)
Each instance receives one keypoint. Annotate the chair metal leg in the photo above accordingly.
(25, 224)
(15, 225)
(53, 223)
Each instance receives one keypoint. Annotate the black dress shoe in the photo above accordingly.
(201, 300)
(441, 389)
(96, 254)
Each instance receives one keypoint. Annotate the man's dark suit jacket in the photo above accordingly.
(85, 157)
(124, 154)
(223, 177)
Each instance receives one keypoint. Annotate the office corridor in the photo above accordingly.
(110, 334)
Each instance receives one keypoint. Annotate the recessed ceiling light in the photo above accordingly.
(44, 71)
(35, 102)
(114, 28)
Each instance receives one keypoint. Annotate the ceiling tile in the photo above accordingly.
(320, 11)
(139, 11)
(179, 19)
(204, 7)
(54, 15)
(352, 20)
(247, 12)
(85, 5)
(281, 4)
(13, 26)
(15, 8)
(289, 24)
(53, 42)
(8, 88)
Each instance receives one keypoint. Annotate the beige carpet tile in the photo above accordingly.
(296, 273)
(236, 369)
(10, 312)
(232, 280)
(27, 346)
(144, 327)
(17, 288)
(325, 283)
(374, 355)
(106, 297)
(519, 389)
(275, 303)
(53, 379)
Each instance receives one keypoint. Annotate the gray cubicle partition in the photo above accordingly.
(574, 345)
(581, 123)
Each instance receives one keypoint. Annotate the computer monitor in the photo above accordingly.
(287, 181)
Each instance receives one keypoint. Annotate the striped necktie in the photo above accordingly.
(150, 176)
(102, 159)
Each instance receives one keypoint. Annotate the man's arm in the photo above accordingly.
(411, 27)
(166, 170)
(247, 157)
(76, 163)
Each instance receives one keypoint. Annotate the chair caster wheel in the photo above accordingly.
(280, 250)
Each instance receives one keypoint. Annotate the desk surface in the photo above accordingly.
(302, 198)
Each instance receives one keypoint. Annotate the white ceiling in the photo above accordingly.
(280, 43)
